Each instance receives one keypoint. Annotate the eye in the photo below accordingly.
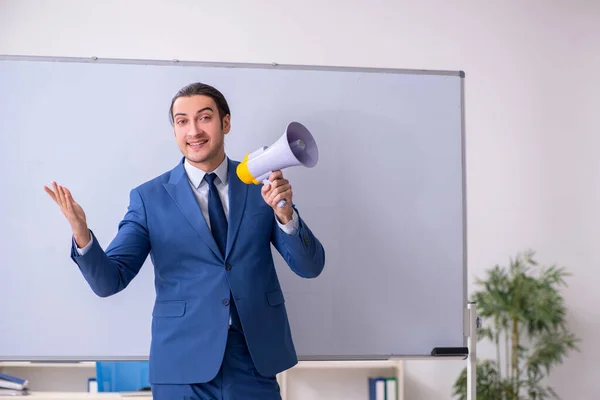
(180, 122)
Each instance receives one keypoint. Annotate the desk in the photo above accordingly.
(84, 396)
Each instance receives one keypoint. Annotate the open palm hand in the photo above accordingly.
(70, 209)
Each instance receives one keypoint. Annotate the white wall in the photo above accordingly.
(532, 85)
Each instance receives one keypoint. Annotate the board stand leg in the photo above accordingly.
(474, 323)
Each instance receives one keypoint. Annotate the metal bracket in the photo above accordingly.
(474, 324)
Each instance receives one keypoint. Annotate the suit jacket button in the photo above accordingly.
(228, 267)
(225, 302)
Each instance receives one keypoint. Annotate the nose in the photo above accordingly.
(195, 129)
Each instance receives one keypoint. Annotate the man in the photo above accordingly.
(220, 328)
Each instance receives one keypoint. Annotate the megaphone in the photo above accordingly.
(295, 147)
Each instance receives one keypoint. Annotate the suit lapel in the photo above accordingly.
(237, 203)
(181, 192)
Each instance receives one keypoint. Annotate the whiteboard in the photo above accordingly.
(387, 199)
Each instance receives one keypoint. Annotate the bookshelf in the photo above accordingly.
(82, 396)
(52, 376)
(310, 380)
(27, 364)
(68, 380)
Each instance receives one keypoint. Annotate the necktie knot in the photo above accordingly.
(210, 178)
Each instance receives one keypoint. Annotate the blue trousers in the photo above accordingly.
(237, 379)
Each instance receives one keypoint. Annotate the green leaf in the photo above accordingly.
(488, 382)
(485, 333)
(524, 313)
(550, 350)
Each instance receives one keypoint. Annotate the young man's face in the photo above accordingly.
(198, 131)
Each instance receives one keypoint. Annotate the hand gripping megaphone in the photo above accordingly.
(295, 147)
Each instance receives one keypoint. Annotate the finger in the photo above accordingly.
(276, 175)
(61, 201)
(265, 189)
(61, 190)
(282, 196)
(284, 191)
(68, 194)
(68, 198)
(63, 196)
(50, 193)
(279, 190)
(279, 182)
(61, 193)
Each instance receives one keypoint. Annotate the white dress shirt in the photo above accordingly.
(200, 188)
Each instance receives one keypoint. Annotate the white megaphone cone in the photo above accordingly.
(295, 147)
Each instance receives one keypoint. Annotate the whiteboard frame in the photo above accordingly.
(309, 67)
(273, 65)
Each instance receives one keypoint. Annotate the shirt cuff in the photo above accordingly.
(291, 227)
(85, 249)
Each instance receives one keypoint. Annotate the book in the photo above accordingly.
(12, 382)
(13, 392)
(377, 388)
(383, 388)
(391, 389)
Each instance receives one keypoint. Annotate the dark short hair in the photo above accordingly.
(202, 89)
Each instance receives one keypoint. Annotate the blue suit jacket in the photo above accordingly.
(193, 280)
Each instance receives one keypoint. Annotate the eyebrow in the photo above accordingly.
(197, 112)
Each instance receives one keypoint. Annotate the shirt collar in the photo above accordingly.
(196, 175)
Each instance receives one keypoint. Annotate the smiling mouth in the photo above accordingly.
(197, 144)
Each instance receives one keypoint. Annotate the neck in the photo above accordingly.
(209, 165)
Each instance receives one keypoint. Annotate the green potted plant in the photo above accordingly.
(524, 316)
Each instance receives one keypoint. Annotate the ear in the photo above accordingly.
(226, 124)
